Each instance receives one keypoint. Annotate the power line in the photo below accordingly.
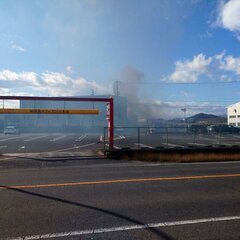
(181, 83)
(196, 101)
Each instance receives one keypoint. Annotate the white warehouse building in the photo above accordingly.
(233, 115)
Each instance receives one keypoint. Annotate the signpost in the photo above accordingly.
(74, 99)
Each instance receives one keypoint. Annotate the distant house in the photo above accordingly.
(233, 115)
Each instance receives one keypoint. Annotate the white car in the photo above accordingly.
(11, 130)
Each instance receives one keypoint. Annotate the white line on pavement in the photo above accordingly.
(172, 145)
(226, 144)
(21, 148)
(57, 138)
(80, 138)
(74, 147)
(143, 145)
(3, 146)
(126, 228)
(35, 138)
(6, 139)
(197, 144)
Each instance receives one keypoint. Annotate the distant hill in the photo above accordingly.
(206, 118)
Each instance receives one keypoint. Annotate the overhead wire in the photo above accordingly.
(182, 83)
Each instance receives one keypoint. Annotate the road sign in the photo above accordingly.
(47, 111)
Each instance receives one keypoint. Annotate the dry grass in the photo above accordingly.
(176, 157)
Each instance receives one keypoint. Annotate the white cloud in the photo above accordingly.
(49, 83)
(225, 78)
(16, 47)
(186, 94)
(230, 63)
(220, 67)
(69, 69)
(22, 78)
(229, 15)
(57, 83)
(56, 79)
(189, 71)
(220, 55)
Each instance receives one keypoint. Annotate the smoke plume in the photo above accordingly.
(130, 80)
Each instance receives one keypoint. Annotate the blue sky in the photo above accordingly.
(165, 54)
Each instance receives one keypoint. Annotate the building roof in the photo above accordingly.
(234, 105)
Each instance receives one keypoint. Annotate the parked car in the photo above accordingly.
(223, 129)
(11, 130)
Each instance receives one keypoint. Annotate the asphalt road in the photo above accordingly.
(44, 143)
(33, 143)
(107, 199)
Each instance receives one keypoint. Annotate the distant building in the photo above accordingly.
(233, 115)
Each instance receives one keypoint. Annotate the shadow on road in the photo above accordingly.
(155, 231)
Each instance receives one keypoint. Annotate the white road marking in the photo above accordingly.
(80, 138)
(197, 144)
(143, 145)
(35, 138)
(22, 147)
(172, 145)
(57, 138)
(6, 139)
(126, 228)
(227, 144)
(74, 147)
(190, 163)
(3, 146)
(120, 137)
(210, 139)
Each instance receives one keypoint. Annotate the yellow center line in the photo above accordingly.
(121, 181)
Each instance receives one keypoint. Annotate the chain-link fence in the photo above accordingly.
(173, 137)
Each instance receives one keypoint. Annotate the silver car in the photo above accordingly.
(11, 130)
